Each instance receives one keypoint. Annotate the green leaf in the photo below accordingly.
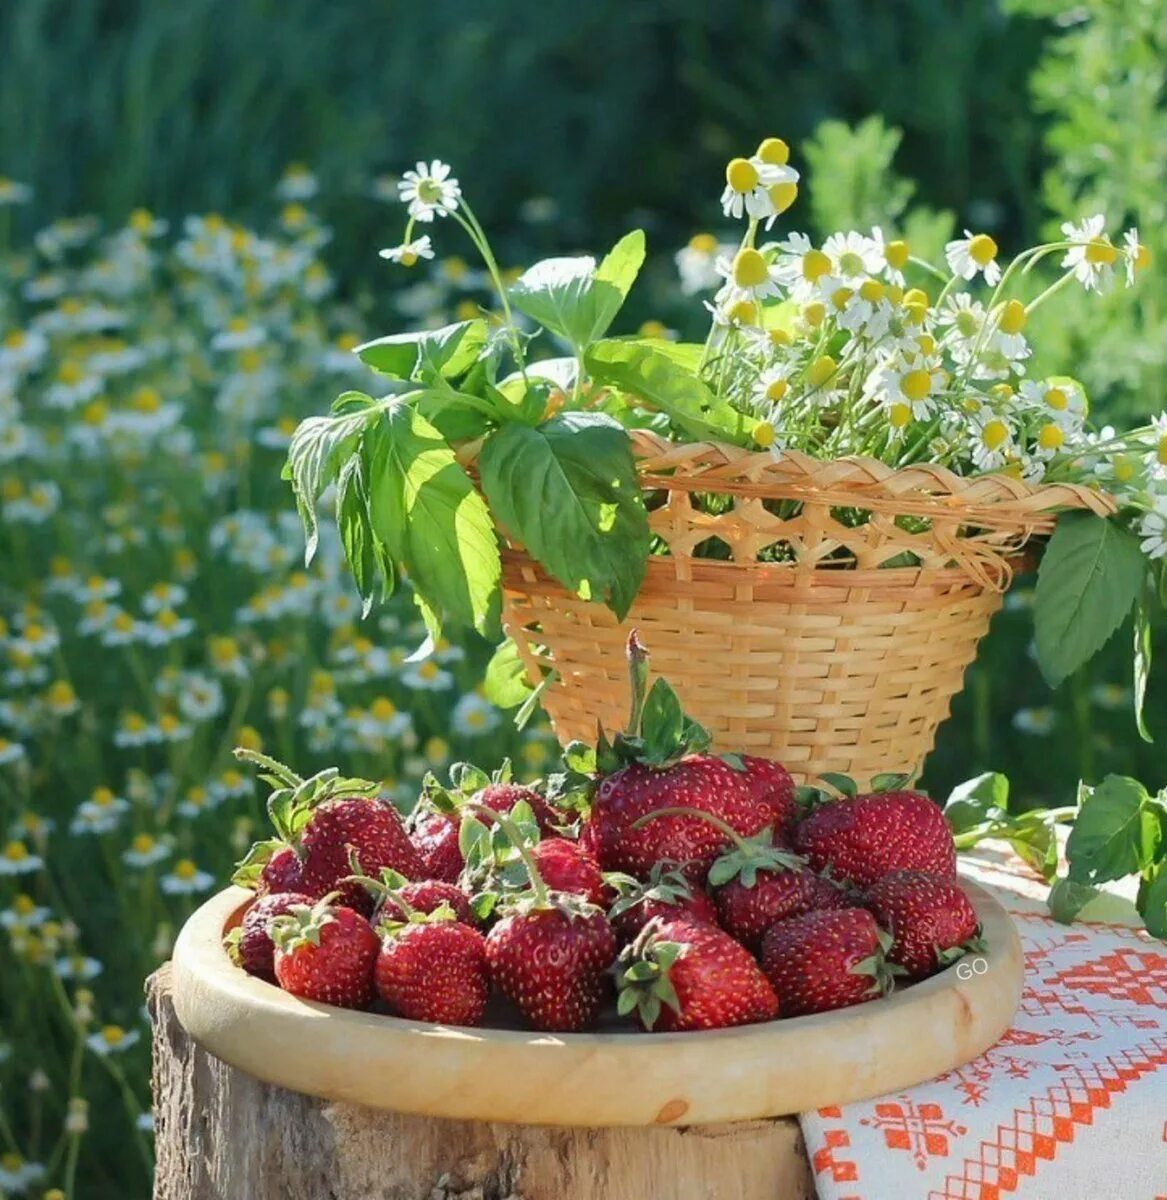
(843, 784)
(662, 723)
(1142, 665)
(976, 800)
(580, 758)
(527, 709)
(1117, 832)
(356, 534)
(567, 489)
(664, 384)
(427, 353)
(1067, 898)
(574, 298)
(1090, 576)
(505, 683)
(319, 446)
(425, 510)
(1153, 901)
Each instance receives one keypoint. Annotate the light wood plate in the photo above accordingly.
(617, 1077)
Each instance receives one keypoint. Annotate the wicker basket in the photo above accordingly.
(830, 661)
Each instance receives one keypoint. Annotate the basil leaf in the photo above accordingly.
(663, 383)
(505, 682)
(427, 514)
(574, 298)
(567, 490)
(427, 353)
(1090, 576)
(1117, 832)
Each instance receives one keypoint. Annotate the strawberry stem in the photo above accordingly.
(709, 818)
(287, 776)
(515, 837)
(638, 674)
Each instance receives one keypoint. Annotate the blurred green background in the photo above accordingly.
(567, 124)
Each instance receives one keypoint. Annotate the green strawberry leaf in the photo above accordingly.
(843, 784)
(427, 353)
(1118, 832)
(1067, 898)
(505, 683)
(249, 869)
(982, 798)
(1152, 901)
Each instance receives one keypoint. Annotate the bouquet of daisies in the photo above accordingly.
(855, 347)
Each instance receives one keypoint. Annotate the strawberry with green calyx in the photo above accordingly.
(755, 884)
(658, 763)
(326, 953)
(861, 837)
(327, 822)
(827, 959)
(250, 943)
(932, 920)
(684, 974)
(549, 952)
(432, 966)
(666, 893)
(395, 897)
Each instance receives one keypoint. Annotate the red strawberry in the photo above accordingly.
(355, 835)
(826, 960)
(566, 866)
(861, 838)
(657, 764)
(283, 872)
(433, 968)
(932, 921)
(774, 788)
(502, 798)
(682, 974)
(435, 834)
(550, 956)
(667, 894)
(748, 910)
(425, 896)
(250, 943)
(326, 953)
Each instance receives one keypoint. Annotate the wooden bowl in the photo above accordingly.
(612, 1077)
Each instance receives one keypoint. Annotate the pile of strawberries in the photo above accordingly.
(649, 878)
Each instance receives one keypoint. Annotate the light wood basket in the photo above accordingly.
(831, 661)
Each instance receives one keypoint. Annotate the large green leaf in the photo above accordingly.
(1153, 901)
(567, 490)
(665, 384)
(356, 535)
(1118, 832)
(427, 353)
(1092, 573)
(978, 800)
(505, 683)
(425, 511)
(320, 445)
(574, 298)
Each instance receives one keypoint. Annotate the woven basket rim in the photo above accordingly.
(864, 482)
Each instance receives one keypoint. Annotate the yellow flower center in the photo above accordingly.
(24, 905)
(103, 797)
(15, 340)
(814, 313)
(780, 337)
(774, 151)
(134, 722)
(1142, 258)
(1051, 437)
(967, 323)
(1100, 252)
(982, 249)
(1057, 399)
(815, 264)
(70, 371)
(872, 291)
(1161, 452)
(897, 254)
(143, 843)
(1124, 468)
(16, 852)
(61, 694)
(899, 415)
(113, 1035)
(741, 175)
(916, 385)
(851, 263)
(895, 293)
(927, 343)
(750, 269)
(782, 195)
(141, 220)
(764, 434)
(821, 370)
(1013, 317)
(95, 413)
(347, 341)
(653, 329)
(777, 389)
(383, 708)
(428, 670)
(146, 399)
(185, 869)
(995, 434)
(168, 722)
(250, 360)
(123, 623)
(408, 258)
(842, 298)
(703, 243)
(743, 312)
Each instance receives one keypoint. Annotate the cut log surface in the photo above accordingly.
(221, 1134)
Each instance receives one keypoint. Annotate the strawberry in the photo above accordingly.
(773, 788)
(566, 866)
(666, 894)
(433, 968)
(283, 872)
(250, 944)
(550, 951)
(502, 798)
(860, 838)
(825, 960)
(682, 974)
(435, 835)
(326, 953)
(932, 921)
(658, 764)
(425, 896)
(747, 910)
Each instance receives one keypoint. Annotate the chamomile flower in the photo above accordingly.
(162, 596)
(1091, 256)
(10, 752)
(895, 254)
(906, 389)
(697, 263)
(12, 192)
(429, 191)
(760, 187)
(297, 183)
(426, 676)
(186, 879)
(973, 254)
(1153, 530)
(474, 716)
(748, 275)
(408, 254)
(112, 1039)
(1060, 400)
(800, 266)
(17, 859)
(1136, 256)
(145, 851)
(100, 814)
(199, 697)
(16, 1175)
(992, 440)
(854, 256)
(167, 626)
(1036, 721)
(134, 730)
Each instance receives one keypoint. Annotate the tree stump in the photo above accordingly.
(221, 1134)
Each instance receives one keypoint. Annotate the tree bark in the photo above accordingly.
(223, 1135)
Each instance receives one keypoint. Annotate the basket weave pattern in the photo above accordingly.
(827, 660)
